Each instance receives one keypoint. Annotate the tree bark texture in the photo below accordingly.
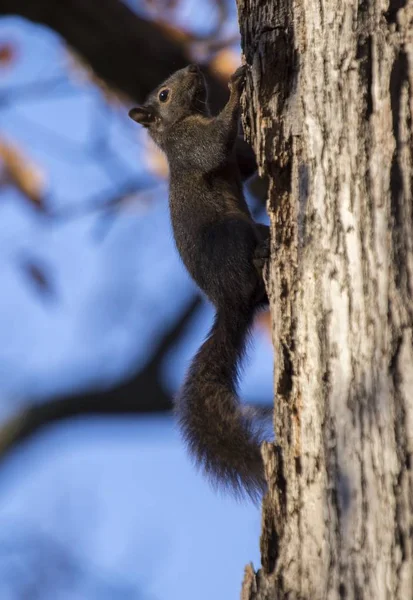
(329, 108)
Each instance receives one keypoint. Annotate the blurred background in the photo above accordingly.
(98, 318)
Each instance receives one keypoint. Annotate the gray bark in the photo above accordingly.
(329, 109)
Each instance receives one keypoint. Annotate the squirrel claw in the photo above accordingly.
(262, 251)
(262, 255)
(237, 79)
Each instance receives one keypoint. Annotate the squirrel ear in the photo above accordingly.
(142, 115)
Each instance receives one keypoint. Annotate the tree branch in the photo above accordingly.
(130, 53)
(141, 394)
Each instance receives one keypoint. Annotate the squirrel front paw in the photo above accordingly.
(237, 80)
(262, 254)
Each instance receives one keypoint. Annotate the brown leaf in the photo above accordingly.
(224, 63)
(21, 172)
(8, 53)
(175, 33)
(263, 322)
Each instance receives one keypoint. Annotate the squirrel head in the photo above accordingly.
(183, 94)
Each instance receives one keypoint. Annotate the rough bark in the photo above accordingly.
(329, 110)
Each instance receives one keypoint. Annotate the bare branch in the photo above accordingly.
(141, 394)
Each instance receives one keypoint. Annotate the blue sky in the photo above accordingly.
(119, 497)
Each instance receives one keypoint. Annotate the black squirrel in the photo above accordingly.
(224, 251)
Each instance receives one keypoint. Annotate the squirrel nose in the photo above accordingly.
(193, 68)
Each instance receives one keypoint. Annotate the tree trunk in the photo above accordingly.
(329, 110)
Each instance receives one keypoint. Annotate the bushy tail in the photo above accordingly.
(223, 437)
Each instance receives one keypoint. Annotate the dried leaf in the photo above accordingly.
(8, 54)
(263, 322)
(21, 172)
(176, 34)
(224, 63)
(162, 11)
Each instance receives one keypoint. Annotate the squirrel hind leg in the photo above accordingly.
(262, 250)
(260, 261)
(261, 298)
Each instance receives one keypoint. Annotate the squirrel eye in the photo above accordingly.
(163, 95)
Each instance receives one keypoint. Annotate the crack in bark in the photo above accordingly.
(402, 452)
(391, 13)
(365, 63)
(274, 513)
(398, 79)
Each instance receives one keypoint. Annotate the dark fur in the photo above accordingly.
(222, 248)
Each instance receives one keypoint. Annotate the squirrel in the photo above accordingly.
(224, 251)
